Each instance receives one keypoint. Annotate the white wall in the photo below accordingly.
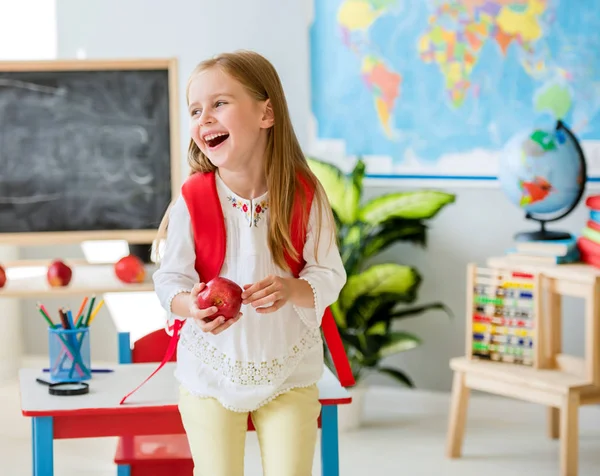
(193, 30)
(23, 35)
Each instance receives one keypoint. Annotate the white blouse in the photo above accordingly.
(262, 355)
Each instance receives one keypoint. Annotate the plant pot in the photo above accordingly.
(350, 416)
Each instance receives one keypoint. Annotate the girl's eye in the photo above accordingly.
(219, 103)
(196, 112)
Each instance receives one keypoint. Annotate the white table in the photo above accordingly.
(152, 410)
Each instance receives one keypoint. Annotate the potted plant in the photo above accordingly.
(375, 296)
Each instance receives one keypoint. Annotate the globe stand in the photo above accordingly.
(542, 234)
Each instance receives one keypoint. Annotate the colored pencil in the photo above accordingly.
(46, 316)
(70, 317)
(43, 308)
(80, 312)
(63, 319)
(87, 320)
(95, 312)
(94, 371)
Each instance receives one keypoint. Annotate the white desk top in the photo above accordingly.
(107, 390)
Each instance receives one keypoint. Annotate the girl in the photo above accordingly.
(266, 361)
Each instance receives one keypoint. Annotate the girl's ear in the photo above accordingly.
(268, 118)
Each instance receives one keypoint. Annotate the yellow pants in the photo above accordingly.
(286, 428)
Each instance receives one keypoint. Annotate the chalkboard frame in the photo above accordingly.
(170, 65)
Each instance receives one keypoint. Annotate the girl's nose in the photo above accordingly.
(206, 119)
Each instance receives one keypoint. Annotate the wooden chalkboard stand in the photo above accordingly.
(27, 278)
(544, 375)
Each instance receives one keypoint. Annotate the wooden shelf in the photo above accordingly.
(30, 281)
(574, 272)
(556, 381)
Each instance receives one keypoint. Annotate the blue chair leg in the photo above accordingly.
(124, 358)
(123, 470)
(42, 433)
(124, 348)
(330, 458)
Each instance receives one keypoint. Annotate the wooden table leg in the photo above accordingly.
(458, 416)
(553, 419)
(569, 435)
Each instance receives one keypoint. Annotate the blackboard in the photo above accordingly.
(86, 149)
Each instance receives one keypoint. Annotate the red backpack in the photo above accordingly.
(202, 200)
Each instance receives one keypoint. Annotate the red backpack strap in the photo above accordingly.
(202, 201)
(336, 347)
(331, 332)
(176, 327)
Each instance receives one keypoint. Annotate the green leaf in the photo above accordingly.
(365, 308)
(397, 342)
(414, 205)
(369, 311)
(397, 375)
(351, 247)
(392, 231)
(357, 176)
(343, 194)
(378, 329)
(416, 310)
(387, 278)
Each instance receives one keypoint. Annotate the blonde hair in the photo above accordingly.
(284, 159)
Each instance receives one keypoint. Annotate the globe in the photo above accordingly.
(543, 172)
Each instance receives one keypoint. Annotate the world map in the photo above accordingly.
(437, 87)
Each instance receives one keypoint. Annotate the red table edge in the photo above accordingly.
(136, 408)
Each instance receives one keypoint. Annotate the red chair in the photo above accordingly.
(151, 455)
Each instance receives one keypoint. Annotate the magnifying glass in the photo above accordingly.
(65, 388)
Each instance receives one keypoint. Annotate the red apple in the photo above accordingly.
(130, 269)
(222, 293)
(59, 274)
(2, 277)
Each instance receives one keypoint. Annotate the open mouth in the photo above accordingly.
(215, 140)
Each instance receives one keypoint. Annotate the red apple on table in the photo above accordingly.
(59, 274)
(130, 269)
(222, 293)
(2, 277)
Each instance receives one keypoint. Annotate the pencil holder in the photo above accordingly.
(69, 351)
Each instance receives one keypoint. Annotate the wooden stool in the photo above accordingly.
(536, 372)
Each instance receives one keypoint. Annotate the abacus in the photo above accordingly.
(503, 312)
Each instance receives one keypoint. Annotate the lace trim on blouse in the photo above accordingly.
(271, 372)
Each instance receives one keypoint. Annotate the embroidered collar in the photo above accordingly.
(252, 209)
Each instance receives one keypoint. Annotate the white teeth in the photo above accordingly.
(214, 136)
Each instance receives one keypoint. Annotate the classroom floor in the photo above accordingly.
(404, 434)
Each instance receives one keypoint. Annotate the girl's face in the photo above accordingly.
(227, 124)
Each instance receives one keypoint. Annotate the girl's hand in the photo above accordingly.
(205, 318)
(273, 291)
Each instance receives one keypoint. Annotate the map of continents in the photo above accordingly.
(439, 86)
